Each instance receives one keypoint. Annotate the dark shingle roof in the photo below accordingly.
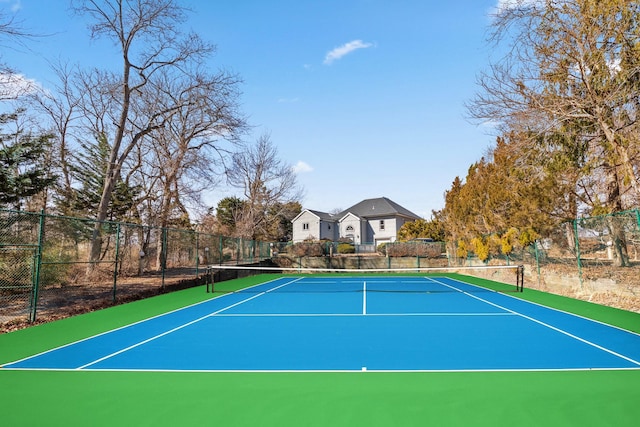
(381, 206)
(323, 215)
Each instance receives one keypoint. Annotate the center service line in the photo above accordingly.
(364, 298)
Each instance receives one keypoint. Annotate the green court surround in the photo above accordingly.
(49, 398)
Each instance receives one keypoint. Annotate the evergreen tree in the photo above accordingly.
(229, 212)
(22, 173)
(432, 229)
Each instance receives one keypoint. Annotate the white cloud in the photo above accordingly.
(345, 49)
(510, 4)
(288, 100)
(491, 124)
(16, 5)
(302, 167)
(13, 86)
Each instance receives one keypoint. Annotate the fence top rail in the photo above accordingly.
(620, 213)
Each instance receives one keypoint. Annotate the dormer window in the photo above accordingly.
(382, 224)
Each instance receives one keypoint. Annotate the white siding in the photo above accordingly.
(306, 225)
(328, 230)
(353, 228)
(388, 234)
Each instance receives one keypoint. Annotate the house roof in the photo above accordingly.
(381, 206)
(322, 215)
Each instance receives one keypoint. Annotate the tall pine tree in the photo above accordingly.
(22, 170)
(89, 171)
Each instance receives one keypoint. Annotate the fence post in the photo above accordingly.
(38, 266)
(163, 255)
(577, 241)
(197, 252)
(537, 254)
(253, 250)
(221, 249)
(115, 265)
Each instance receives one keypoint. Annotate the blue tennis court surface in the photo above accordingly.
(310, 323)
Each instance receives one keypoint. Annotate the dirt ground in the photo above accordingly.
(59, 302)
(621, 288)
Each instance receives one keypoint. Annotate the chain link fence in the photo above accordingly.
(592, 258)
(19, 261)
(47, 269)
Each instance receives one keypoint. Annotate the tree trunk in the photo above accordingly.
(614, 203)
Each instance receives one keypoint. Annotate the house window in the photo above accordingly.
(382, 224)
(305, 226)
(328, 226)
(349, 227)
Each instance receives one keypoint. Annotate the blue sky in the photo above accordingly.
(365, 97)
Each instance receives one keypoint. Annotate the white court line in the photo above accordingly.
(407, 314)
(368, 370)
(364, 298)
(313, 370)
(177, 328)
(569, 334)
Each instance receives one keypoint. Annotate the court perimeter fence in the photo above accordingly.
(46, 268)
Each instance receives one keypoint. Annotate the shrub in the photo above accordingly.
(346, 248)
(411, 249)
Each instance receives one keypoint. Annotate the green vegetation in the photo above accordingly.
(24, 161)
(346, 248)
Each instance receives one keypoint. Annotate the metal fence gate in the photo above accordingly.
(20, 256)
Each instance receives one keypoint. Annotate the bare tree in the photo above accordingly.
(148, 36)
(12, 84)
(268, 184)
(60, 106)
(187, 154)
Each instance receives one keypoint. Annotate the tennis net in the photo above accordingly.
(504, 278)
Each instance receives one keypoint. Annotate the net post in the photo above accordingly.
(209, 279)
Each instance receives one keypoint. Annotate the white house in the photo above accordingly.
(370, 221)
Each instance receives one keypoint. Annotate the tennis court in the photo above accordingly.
(279, 350)
(345, 323)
